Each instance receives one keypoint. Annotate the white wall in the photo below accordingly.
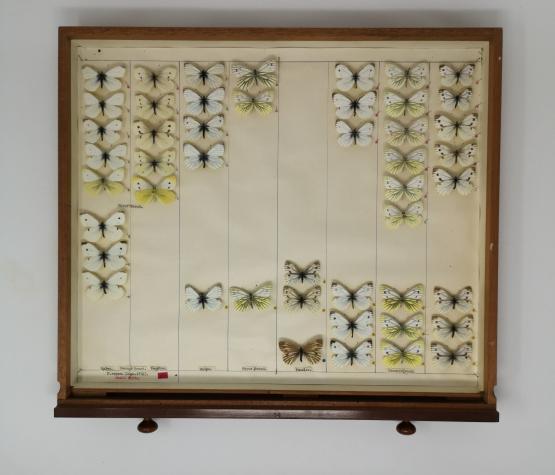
(33, 442)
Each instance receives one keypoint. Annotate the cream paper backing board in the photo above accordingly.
(288, 192)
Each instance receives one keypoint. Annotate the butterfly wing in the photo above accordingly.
(345, 138)
(365, 80)
(340, 324)
(343, 106)
(366, 105)
(467, 128)
(93, 288)
(449, 77)
(391, 327)
(312, 298)
(214, 297)
(92, 105)
(446, 127)
(341, 354)
(445, 182)
(313, 350)
(116, 256)
(215, 155)
(417, 75)
(263, 102)
(262, 296)
(193, 300)
(364, 134)
(290, 351)
(396, 75)
(214, 101)
(449, 156)
(341, 295)
(466, 74)
(465, 181)
(193, 102)
(144, 191)
(291, 298)
(413, 298)
(363, 296)
(345, 78)
(396, 105)
(114, 288)
(193, 74)
(463, 299)
(192, 157)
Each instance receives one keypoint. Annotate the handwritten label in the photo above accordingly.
(206, 368)
(400, 370)
(254, 368)
(306, 369)
(129, 206)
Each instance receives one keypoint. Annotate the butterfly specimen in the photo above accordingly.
(397, 105)
(448, 128)
(451, 76)
(160, 135)
(112, 287)
(360, 298)
(210, 300)
(162, 164)
(96, 229)
(295, 300)
(260, 298)
(212, 129)
(451, 101)
(195, 159)
(147, 192)
(347, 80)
(446, 356)
(464, 155)
(111, 258)
(299, 275)
(263, 75)
(394, 328)
(461, 301)
(310, 352)
(461, 328)
(98, 158)
(95, 183)
(109, 107)
(210, 77)
(261, 103)
(343, 355)
(357, 136)
(396, 190)
(409, 355)
(360, 107)
(411, 215)
(410, 300)
(413, 76)
(160, 108)
(101, 133)
(412, 162)
(412, 134)
(198, 104)
(159, 81)
(102, 79)
(361, 325)
(446, 183)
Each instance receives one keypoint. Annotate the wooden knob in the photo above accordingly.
(406, 428)
(147, 426)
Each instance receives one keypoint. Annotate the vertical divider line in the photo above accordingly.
(327, 124)
(130, 210)
(277, 212)
(427, 209)
(227, 97)
(377, 128)
(179, 201)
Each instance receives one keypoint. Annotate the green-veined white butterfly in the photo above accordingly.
(97, 158)
(348, 136)
(111, 258)
(112, 287)
(343, 355)
(397, 105)
(247, 104)
(414, 76)
(212, 158)
(160, 108)
(109, 107)
(261, 76)
(442, 354)
(295, 300)
(360, 298)
(411, 299)
(452, 100)
(464, 155)
(451, 76)
(162, 80)
(208, 300)
(198, 104)
(162, 163)
(446, 182)
(96, 228)
(362, 325)
(360, 107)
(211, 77)
(299, 275)
(461, 301)
(412, 134)
(411, 328)
(148, 192)
(464, 129)
(410, 355)
(260, 298)
(108, 79)
(461, 328)
(101, 133)
(412, 162)
(95, 183)
(411, 215)
(160, 135)
(396, 190)
(211, 129)
(310, 352)
(347, 80)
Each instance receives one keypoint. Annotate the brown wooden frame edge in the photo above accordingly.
(368, 405)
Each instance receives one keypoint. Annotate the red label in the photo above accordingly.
(162, 375)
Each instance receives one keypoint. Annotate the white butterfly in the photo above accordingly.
(363, 79)
(362, 325)
(449, 128)
(361, 298)
(162, 164)
(96, 229)
(451, 76)
(444, 355)
(464, 155)
(150, 135)
(101, 133)
(194, 159)
(461, 301)
(395, 190)
(461, 328)
(446, 183)
(412, 134)
(111, 258)
(95, 183)
(261, 102)
(109, 107)
(97, 158)
(159, 108)
(198, 104)
(104, 79)
(415, 76)
(260, 298)
(263, 76)
(210, 300)
(297, 275)
(360, 107)
(412, 162)
(397, 105)
(411, 215)
(357, 136)
(394, 328)
(451, 101)
(162, 80)
(112, 287)
(210, 77)
(211, 129)
(343, 355)
(295, 300)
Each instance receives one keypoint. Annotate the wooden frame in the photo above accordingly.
(150, 404)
